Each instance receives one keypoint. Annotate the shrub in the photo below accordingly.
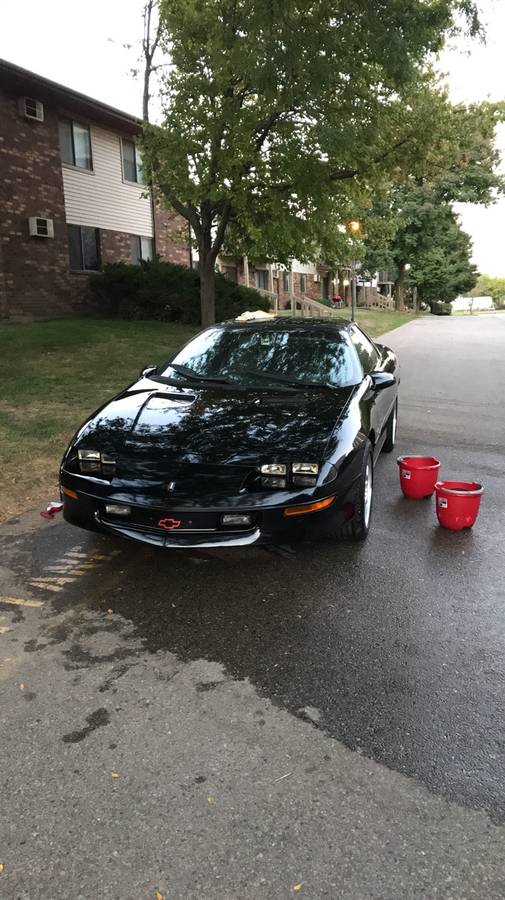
(440, 308)
(166, 292)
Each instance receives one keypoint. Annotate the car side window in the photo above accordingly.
(368, 355)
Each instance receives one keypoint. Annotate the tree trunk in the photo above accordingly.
(207, 280)
(415, 296)
(400, 287)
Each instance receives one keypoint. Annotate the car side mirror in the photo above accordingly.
(149, 370)
(382, 380)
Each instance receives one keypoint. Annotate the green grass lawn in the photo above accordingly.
(373, 321)
(53, 374)
(378, 321)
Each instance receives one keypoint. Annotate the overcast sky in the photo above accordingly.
(82, 47)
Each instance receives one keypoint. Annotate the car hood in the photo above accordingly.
(216, 425)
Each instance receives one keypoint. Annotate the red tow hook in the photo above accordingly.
(51, 509)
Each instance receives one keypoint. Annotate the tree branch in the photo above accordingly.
(221, 230)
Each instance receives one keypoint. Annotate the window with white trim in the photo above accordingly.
(262, 279)
(75, 144)
(84, 248)
(132, 162)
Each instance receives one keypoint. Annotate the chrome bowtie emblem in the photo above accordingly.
(171, 487)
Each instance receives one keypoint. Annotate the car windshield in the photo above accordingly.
(257, 356)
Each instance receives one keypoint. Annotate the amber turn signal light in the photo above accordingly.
(308, 507)
(70, 493)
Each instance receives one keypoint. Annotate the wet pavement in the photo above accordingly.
(330, 716)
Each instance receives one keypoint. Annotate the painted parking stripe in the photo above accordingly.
(68, 569)
(21, 601)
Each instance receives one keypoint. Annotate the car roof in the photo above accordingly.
(290, 323)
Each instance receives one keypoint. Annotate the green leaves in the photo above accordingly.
(282, 119)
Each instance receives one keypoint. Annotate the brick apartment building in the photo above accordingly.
(71, 196)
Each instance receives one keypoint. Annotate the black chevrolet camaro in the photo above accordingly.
(255, 431)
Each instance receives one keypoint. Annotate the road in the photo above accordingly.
(314, 721)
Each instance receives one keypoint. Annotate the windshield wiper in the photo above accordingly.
(194, 376)
(292, 382)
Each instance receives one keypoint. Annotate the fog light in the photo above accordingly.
(114, 509)
(236, 519)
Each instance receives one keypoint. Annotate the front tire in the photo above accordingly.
(357, 528)
(389, 444)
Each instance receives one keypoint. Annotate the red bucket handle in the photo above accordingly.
(440, 486)
(401, 461)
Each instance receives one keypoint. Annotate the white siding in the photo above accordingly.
(101, 198)
(304, 268)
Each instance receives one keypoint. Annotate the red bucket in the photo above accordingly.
(458, 503)
(418, 475)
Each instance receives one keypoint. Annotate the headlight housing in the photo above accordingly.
(304, 474)
(274, 469)
(301, 474)
(273, 475)
(305, 469)
(94, 462)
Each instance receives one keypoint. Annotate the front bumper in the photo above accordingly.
(200, 527)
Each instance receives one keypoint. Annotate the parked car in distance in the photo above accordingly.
(255, 431)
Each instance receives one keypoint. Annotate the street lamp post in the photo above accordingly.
(355, 229)
(353, 290)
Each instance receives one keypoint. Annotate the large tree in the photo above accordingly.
(461, 164)
(441, 266)
(278, 111)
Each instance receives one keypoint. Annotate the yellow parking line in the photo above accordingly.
(19, 601)
(45, 587)
(58, 580)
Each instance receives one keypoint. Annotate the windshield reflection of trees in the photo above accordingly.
(298, 355)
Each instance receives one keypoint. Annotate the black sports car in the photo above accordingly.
(254, 431)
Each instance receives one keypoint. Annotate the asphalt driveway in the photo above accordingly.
(319, 720)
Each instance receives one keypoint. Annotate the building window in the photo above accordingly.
(262, 279)
(75, 144)
(142, 249)
(132, 162)
(84, 248)
(285, 282)
(229, 272)
(303, 284)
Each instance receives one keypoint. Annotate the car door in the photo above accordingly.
(371, 361)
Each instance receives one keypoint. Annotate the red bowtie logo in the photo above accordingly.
(169, 524)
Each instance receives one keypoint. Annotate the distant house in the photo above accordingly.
(72, 196)
(465, 304)
(312, 280)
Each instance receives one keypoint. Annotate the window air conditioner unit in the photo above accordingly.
(317, 278)
(31, 109)
(39, 227)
